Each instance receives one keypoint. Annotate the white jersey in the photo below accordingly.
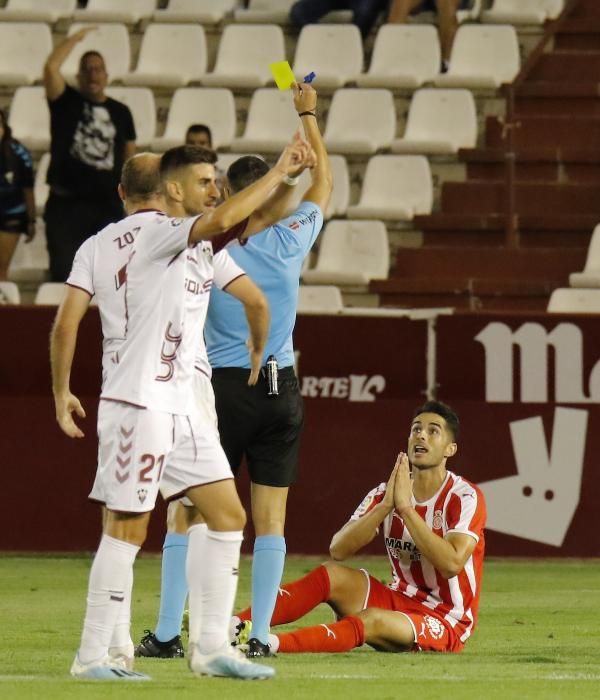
(225, 272)
(166, 298)
(99, 268)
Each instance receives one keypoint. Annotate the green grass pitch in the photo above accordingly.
(538, 637)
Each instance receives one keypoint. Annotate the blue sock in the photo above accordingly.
(173, 587)
(267, 570)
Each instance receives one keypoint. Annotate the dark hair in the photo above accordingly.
(180, 156)
(7, 130)
(244, 171)
(199, 129)
(443, 410)
(87, 54)
(139, 179)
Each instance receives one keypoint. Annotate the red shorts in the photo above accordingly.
(432, 632)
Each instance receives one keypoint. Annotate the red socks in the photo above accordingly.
(296, 599)
(338, 636)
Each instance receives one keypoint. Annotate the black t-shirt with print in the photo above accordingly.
(88, 144)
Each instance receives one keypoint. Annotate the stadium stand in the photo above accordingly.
(244, 55)
(33, 11)
(318, 299)
(171, 55)
(590, 275)
(351, 253)
(395, 188)
(214, 107)
(404, 56)
(439, 121)
(582, 301)
(24, 46)
(333, 51)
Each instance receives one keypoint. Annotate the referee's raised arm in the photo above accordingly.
(305, 102)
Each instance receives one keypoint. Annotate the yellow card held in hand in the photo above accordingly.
(282, 74)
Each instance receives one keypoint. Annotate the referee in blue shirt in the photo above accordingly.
(253, 423)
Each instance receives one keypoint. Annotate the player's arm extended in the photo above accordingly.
(63, 339)
(241, 205)
(448, 555)
(258, 317)
(356, 534)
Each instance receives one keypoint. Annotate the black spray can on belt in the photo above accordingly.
(272, 378)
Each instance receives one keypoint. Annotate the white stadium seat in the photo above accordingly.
(522, 11)
(29, 118)
(404, 55)
(200, 11)
(214, 107)
(360, 121)
(351, 253)
(140, 101)
(9, 293)
(577, 301)
(40, 186)
(34, 11)
(50, 293)
(24, 48)
(483, 56)
(439, 121)
(395, 188)
(171, 55)
(272, 121)
(130, 12)
(333, 51)
(244, 55)
(319, 299)
(590, 275)
(340, 196)
(30, 262)
(110, 40)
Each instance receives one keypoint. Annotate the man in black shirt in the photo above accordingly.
(91, 137)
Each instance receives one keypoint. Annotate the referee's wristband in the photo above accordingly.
(291, 181)
(307, 114)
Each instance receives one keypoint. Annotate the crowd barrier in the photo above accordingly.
(526, 388)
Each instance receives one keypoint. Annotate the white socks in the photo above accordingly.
(212, 570)
(121, 641)
(109, 589)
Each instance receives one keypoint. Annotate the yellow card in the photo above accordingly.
(282, 74)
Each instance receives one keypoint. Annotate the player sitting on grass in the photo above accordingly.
(432, 522)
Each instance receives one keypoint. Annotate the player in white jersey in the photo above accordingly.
(150, 433)
(99, 272)
(432, 522)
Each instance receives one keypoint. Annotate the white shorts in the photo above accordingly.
(142, 451)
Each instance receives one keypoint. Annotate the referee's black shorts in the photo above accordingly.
(265, 430)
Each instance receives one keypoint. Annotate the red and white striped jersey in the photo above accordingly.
(458, 506)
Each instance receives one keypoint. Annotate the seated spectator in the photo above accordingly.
(365, 12)
(198, 135)
(447, 21)
(17, 206)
